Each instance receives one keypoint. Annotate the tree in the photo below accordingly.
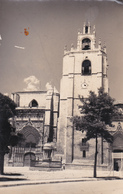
(97, 113)
(7, 131)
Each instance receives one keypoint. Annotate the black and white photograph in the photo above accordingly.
(61, 96)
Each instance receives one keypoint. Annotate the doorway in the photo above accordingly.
(117, 164)
(28, 157)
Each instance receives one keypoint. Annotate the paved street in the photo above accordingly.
(25, 173)
(88, 187)
(21, 180)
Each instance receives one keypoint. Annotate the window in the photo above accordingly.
(86, 29)
(84, 144)
(86, 44)
(33, 103)
(84, 154)
(83, 141)
(18, 100)
(86, 67)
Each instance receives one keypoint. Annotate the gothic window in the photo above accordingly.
(86, 67)
(86, 29)
(86, 44)
(33, 103)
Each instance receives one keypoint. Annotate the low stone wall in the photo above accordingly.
(85, 166)
(46, 164)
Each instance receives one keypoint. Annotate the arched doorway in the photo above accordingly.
(27, 149)
(117, 149)
(28, 157)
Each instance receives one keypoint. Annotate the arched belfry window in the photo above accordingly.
(33, 103)
(86, 67)
(86, 29)
(86, 44)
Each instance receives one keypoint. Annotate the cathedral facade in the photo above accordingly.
(44, 117)
(36, 118)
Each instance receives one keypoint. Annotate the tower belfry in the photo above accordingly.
(84, 70)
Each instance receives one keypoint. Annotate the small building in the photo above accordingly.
(36, 118)
(116, 149)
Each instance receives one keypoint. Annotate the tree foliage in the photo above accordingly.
(97, 112)
(7, 111)
(8, 137)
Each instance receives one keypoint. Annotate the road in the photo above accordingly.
(86, 187)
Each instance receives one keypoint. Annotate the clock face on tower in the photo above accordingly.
(84, 85)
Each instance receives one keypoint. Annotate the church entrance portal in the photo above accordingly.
(27, 149)
(28, 157)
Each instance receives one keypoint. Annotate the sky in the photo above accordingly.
(34, 34)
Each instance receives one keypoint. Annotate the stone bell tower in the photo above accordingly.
(84, 70)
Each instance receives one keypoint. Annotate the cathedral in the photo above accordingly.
(44, 117)
(36, 118)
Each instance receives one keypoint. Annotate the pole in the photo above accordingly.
(102, 161)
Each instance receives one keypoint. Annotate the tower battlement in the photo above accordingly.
(86, 41)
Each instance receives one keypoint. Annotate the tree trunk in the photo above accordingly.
(1, 162)
(95, 160)
(102, 161)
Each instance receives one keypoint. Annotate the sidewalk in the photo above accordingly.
(15, 176)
